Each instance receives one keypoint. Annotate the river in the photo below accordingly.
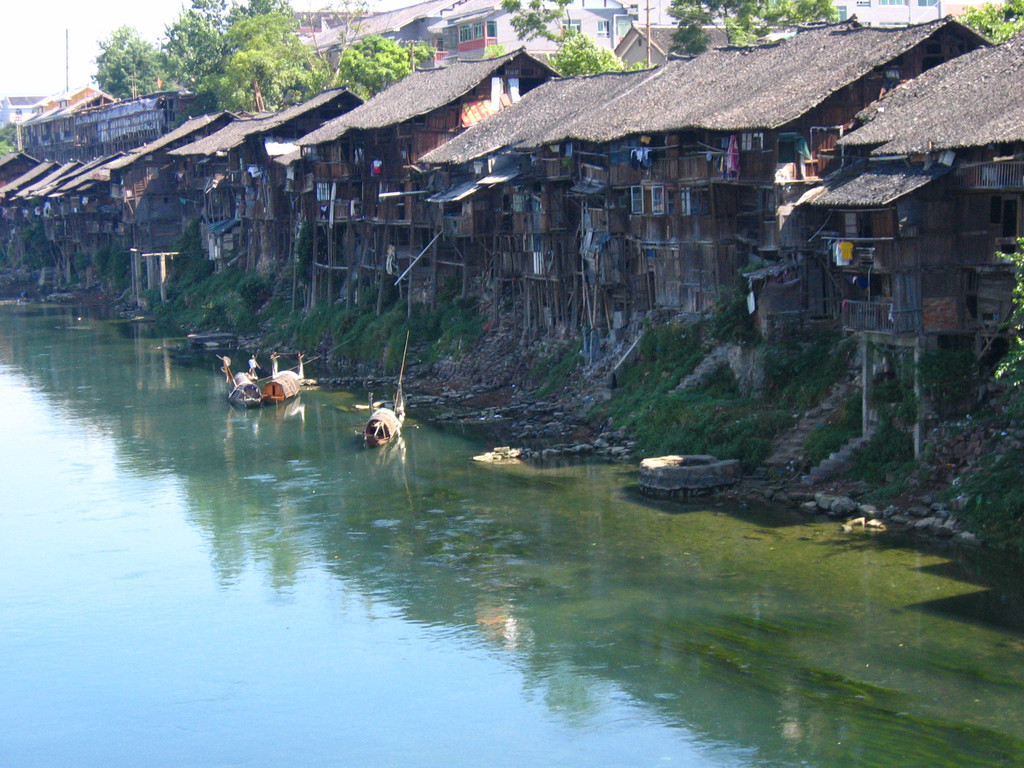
(184, 584)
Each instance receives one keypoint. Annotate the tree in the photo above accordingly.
(996, 22)
(195, 47)
(8, 139)
(745, 20)
(579, 55)
(375, 62)
(128, 65)
(495, 51)
(535, 18)
(266, 65)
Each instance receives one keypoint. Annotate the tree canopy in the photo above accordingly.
(745, 20)
(997, 22)
(128, 66)
(266, 66)
(537, 18)
(375, 62)
(579, 55)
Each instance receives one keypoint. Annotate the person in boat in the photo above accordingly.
(254, 367)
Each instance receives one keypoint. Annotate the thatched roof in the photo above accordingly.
(41, 186)
(96, 171)
(871, 186)
(973, 100)
(180, 133)
(11, 187)
(418, 94)
(234, 133)
(13, 156)
(728, 89)
(539, 113)
(764, 87)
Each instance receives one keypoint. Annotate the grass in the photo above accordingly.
(718, 417)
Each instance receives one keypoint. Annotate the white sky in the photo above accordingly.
(32, 37)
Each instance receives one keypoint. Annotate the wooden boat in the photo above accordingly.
(386, 419)
(242, 389)
(282, 385)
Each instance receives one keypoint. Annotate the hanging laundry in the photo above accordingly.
(732, 166)
(375, 167)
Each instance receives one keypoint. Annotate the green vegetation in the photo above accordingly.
(996, 21)
(578, 54)
(995, 504)
(720, 416)
(247, 302)
(247, 56)
(745, 20)
(834, 434)
(127, 65)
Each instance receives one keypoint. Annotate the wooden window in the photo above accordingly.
(492, 29)
(751, 141)
(478, 30)
(465, 33)
(636, 198)
(649, 200)
(694, 201)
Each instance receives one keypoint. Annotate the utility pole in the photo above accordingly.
(648, 32)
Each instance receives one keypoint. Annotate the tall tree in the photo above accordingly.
(375, 62)
(745, 20)
(267, 67)
(537, 18)
(997, 22)
(127, 65)
(195, 46)
(579, 55)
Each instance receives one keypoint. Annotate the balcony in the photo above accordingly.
(995, 175)
(556, 167)
(879, 317)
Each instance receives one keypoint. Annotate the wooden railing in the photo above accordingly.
(879, 316)
(998, 175)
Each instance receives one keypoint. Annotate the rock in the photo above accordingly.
(870, 511)
(824, 501)
(810, 507)
(502, 454)
(968, 538)
(842, 506)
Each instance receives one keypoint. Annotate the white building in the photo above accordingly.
(17, 109)
(898, 13)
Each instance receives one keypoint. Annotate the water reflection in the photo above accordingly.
(740, 636)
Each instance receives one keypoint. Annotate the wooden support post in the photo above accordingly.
(919, 421)
(865, 368)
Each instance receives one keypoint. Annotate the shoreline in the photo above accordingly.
(541, 430)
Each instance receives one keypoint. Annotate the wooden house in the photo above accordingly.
(913, 231)
(367, 193)
(687, 173)
(246, 201)
(145, 184)
(14, 165)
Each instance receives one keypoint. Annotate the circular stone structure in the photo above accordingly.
(671, 476)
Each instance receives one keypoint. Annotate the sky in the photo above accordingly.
(32, 39)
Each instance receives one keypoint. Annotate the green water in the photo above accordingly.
(186, 584)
